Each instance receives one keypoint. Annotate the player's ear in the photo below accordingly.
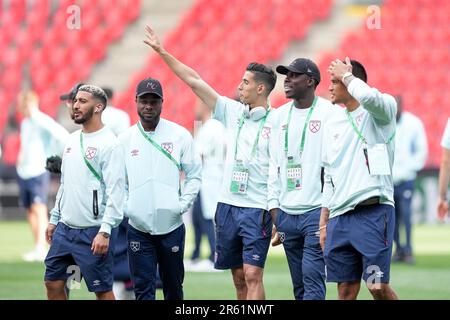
(311, 82)
(261, 88)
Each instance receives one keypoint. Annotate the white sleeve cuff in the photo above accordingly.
(105, 228)
(273, 204)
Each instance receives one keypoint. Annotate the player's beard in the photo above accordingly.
(86, 117)
(150, 121)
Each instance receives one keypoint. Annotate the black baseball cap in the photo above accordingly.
(149, 85)
(72, 94)
(301, 65)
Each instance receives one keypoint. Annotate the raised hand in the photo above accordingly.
(338, 68)
(152, 39)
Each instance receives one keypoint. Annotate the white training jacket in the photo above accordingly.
(155, 202)
(309, 197)
(347, 179)
(81, 194)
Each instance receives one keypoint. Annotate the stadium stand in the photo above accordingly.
(235, 31)
(412, 61)
(36, 44)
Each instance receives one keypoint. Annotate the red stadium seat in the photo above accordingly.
(11, 78)
(41, 77)
(39, 33)
(417, 59)
(11, 58)
(11, 146)
(17, 10)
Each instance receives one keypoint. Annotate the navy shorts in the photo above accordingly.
(242, 236)
(359, 244)
(34, 190)
(70, 255)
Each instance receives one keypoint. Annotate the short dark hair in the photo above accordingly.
(358, 70)
(109, 92)
(96, 92)
(264, 74)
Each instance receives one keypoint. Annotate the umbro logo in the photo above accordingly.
(134, 152)
(96, 283)
(359, 118)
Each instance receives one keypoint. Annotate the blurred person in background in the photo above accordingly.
(210, 143)
(444, 174)
(411, 151)
(41, 137)
(117, 120)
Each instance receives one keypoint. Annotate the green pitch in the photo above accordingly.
(429, 278)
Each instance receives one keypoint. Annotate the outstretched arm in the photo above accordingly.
(203, 90)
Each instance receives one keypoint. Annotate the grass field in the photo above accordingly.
(429, 278)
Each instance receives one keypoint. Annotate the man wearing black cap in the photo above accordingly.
(70, 96)
(295, 178)
(243, 224)
(114, 118)
(156, 152)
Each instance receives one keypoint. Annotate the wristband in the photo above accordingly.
(347, 74)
